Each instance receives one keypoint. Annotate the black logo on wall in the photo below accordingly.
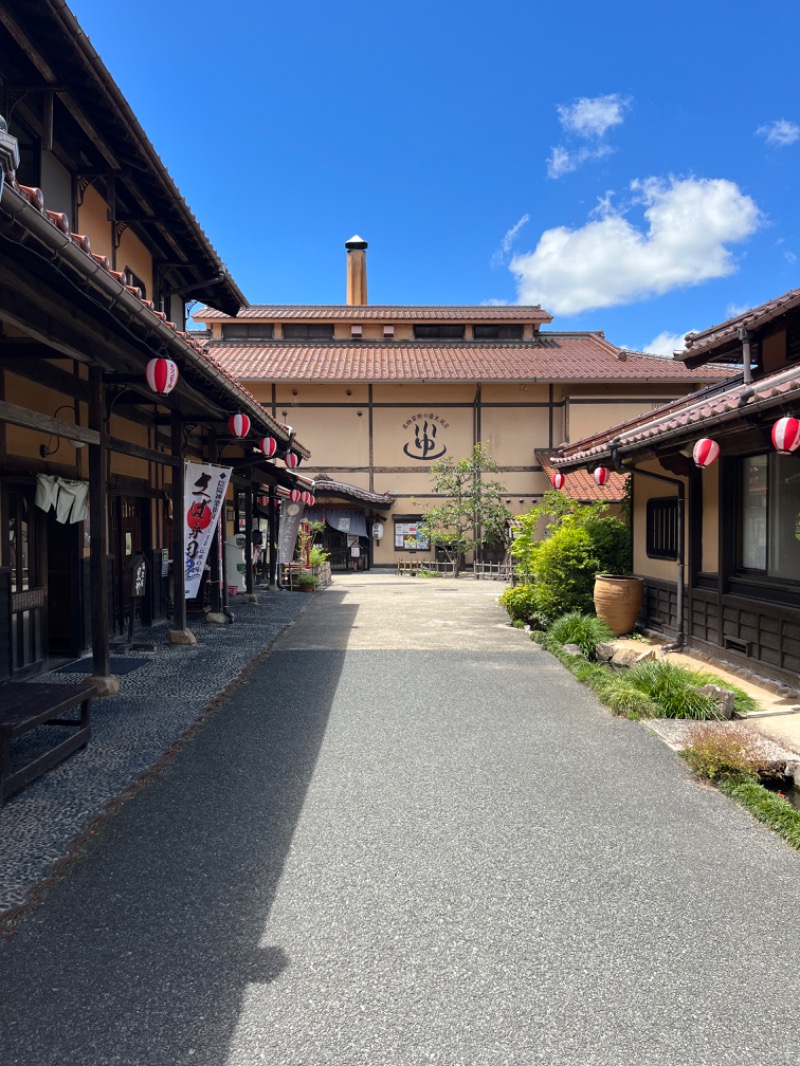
(424, 444)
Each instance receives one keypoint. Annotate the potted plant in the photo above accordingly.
(306, 582)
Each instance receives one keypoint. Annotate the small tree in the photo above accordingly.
(473, 512)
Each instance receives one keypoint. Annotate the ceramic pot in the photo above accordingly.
(618, 600)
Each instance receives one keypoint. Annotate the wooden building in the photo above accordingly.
(718, 546)
(379, 393)
(98, 256)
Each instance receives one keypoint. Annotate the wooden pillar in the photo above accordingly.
(272, 534)
(178, 527)
(248, 536)
(98, 569)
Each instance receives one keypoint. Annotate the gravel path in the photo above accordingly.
(411, 837)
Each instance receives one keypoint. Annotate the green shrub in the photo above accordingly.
(773, 810)
(718, 751)
(520, 602)
(564, 568)
(585, 630)
(611, 542)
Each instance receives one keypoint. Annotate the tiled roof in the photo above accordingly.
(552, 357)
(325, 486)
(386, 313)
(581, 485)
(724, 338)
(689, 417)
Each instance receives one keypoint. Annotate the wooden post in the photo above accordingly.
(178, 526)
(272, 533)
(98, 569)
(248, 536)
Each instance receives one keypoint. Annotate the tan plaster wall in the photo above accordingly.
(585, 419)
(35, 397)
(132, 253)
(515, 393)
(93, 222)
(710, 560)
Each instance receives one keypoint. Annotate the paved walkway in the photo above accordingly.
(411, 837)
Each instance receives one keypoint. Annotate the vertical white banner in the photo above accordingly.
(204, 489)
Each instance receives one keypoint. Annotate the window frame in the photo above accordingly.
(661, 524)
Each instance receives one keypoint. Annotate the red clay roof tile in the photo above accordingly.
(553, 357)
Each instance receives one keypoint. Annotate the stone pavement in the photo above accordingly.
(411, 837)
(162, 698)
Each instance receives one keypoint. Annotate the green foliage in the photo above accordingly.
(306, 580)
(580, 540)
(673, 690)
(317, 556)
(743, 703)
(585, 630)
(611, 540)
(719, 751)
(472, 512)
(520, 602)
(773, 810)
(628, 701)
(564, 567)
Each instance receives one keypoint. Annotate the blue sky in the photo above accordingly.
(633, 168)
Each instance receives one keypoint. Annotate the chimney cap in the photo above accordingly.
(355, 242)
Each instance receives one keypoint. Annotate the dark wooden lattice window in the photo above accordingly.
(662, 529)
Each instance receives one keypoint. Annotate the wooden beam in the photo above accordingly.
(21, 416)
(54, 377)
(138, 451)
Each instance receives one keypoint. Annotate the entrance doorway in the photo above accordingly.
(130, 535)
(64, 589)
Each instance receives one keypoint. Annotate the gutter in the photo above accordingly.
(621, 468)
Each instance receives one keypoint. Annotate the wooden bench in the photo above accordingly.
(24, 706)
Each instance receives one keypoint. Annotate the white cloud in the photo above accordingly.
(734, 310)
(588, 118)
(779, 133)
(610, 261)
(666, 343)
(790, 257)
(562, 161)
(501, 253)
(494, 303)
(592, 116)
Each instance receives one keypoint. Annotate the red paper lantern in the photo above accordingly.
(295, 495)
(601, 475)
(239, 425)
(311, 500)
(786, 435)
(263, 501)
(292, 460)
(705, 452)
(307, 498)
(268, 446)
(162, 375)
(558, 481)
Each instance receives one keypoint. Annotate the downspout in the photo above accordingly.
(744, 337)
(620, 467)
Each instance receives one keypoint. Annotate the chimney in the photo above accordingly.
(356, 272)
